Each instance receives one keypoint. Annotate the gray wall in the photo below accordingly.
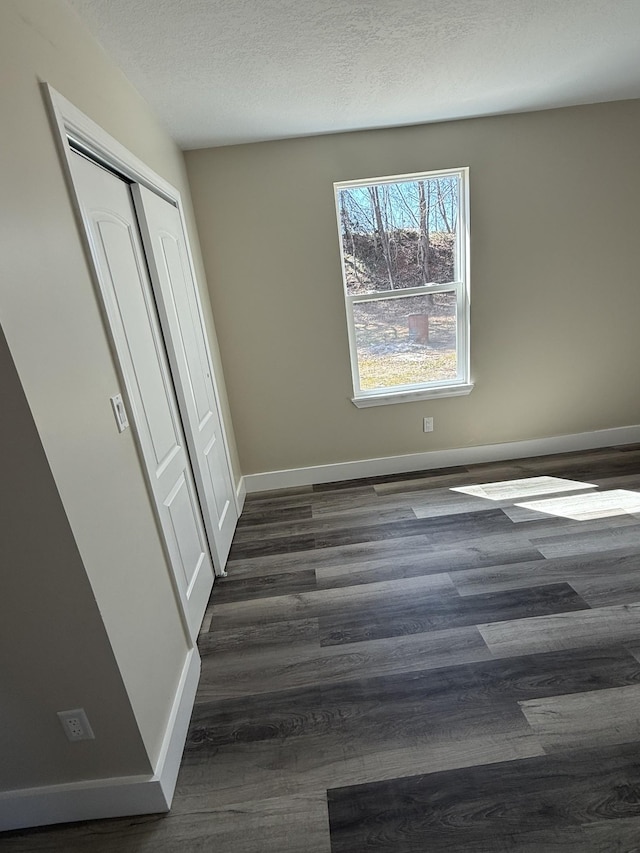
(82, 558)
(54, 651)
(555, 290)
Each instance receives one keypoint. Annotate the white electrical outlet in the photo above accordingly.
(427, 424)
(76, 724)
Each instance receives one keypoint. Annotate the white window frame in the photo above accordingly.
(462, 384)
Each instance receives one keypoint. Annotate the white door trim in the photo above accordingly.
(71, 123)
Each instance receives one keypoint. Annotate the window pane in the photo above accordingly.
(398, 235)
(406, 341)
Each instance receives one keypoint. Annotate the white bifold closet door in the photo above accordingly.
(181, 318)
(121, 267)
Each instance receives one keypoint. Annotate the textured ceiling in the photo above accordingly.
(226, 71)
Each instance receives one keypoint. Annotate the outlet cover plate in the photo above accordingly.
(76, 724)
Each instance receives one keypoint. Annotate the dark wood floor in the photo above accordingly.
(416, 663)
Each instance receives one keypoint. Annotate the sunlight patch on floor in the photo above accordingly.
(515, 489)
(587, 507)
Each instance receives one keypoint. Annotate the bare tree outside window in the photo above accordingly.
(400, 244)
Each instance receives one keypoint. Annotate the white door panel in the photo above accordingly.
(214, 458)
(120, 263)
(183, 510)
(118, 250)
(181, 318)
(182, 309)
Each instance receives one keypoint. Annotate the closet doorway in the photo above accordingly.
(144, 276)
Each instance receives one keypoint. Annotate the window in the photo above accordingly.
(404, 248)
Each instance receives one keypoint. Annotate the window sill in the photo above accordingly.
(412, 396)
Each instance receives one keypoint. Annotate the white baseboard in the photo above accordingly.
(113, 797)
(269, 480)
(241, 494)
(168, 763)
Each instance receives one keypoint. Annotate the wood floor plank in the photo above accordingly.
(576, 570)
(409, 705)
(256, 502)
(582, 719)
(266, 670)
(429, 559)
(270, 825)
(279, 494)
(260, 515)
(437, 530)
(488, 550)
(606, 591)
(485, 808)
(347, 505)
(359, 733)
(616, 465)
(284, 633)
(268, 564)
(383, 479)
(259, 770)
(197, 823)
(603, 626)
(285, 583)
(244, 550)
(363, 517)
(581, 465)
(633, 649)
(420, 611)
(608, 836)
(453, 503)
(607, 538)
(619, 481)
(315, 603)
